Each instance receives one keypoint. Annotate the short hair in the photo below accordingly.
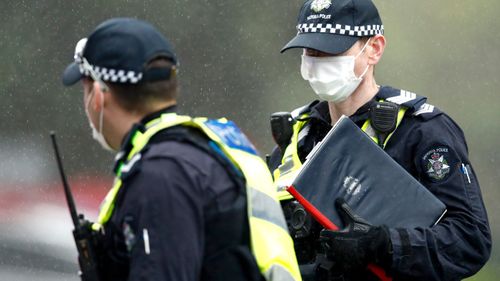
(365, 39)
(143, 95)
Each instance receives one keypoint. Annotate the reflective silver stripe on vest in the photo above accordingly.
(277, 273)
(265, 208)
(303, 132)
(126, 168)
(370, 131)
(287, 165)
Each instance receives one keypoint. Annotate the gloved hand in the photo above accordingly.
(358, 244)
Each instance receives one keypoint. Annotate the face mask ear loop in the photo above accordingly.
(91, 95)
(362, 49)
(364, 72)
(360, 52)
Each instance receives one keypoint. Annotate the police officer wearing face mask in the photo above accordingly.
(191, 200)
(342, 41)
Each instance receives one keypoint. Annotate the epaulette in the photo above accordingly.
(427, 111)
(303, 109)
(416, 104)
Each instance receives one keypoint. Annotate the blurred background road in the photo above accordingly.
(447, 50)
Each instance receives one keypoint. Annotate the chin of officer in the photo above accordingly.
(342, 41)
(186, 189)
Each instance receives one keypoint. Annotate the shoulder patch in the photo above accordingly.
(231, 135)
(436, 163)
(128, 232)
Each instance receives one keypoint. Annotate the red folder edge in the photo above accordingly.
(328, 224)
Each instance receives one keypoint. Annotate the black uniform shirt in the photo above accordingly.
(432, 148)
(176, 213)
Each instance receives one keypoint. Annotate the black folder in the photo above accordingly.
(348, 164)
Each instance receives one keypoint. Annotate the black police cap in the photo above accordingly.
(118, 51)
(333, 26)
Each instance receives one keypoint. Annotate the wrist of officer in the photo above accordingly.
(380, 247)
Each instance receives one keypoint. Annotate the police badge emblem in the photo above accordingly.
(128, 234)
(319, 5)
(437, 166)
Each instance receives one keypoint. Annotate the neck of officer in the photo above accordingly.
(121, 121)
(366, 90)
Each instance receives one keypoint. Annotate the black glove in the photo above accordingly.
(358, 244)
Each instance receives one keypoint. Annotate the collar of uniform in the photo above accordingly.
(321, 112)
(363, 112)
(126, 145)
(140, 126)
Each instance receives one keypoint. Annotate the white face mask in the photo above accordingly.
(332, 78)
(97, 134)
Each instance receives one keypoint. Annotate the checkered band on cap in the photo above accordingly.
(359, 31)
(112, 75)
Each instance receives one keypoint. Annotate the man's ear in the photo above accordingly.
(99, 95)
(376, 50)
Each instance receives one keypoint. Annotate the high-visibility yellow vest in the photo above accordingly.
(290, 165)
(271, 244)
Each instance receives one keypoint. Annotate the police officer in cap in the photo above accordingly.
(191, 200)
(342, 41)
